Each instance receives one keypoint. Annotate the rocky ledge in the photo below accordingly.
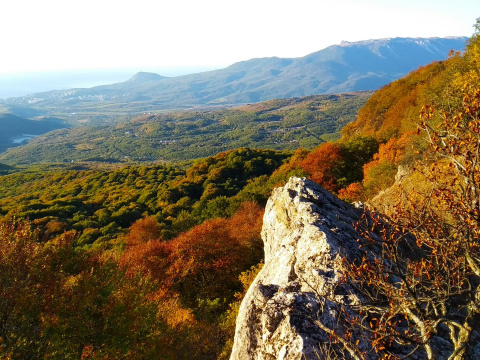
(285, 313)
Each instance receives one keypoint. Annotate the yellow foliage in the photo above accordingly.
(171, 311)
(71, 281)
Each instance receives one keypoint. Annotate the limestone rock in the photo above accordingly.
(306, 232)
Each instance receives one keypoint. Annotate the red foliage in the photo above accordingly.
(204, 262)
(246, 224)
(146, 258)
(321, 164)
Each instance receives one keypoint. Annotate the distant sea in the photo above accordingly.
(19, 84)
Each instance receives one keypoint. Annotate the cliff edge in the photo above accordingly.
(286, 313)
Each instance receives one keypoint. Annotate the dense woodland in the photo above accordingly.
(284, 124)
(103, 261)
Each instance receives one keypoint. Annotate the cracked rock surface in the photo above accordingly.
(306, 232)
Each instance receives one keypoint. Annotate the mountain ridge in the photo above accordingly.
(359, 66)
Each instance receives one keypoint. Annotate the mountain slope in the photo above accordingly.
(364, 65)
(14, 129)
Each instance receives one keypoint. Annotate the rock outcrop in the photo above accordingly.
(286, 313)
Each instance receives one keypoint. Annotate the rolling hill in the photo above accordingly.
(276, 124)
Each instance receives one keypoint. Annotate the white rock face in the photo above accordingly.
(306, 232)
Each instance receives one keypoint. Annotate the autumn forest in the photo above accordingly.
(150, 260)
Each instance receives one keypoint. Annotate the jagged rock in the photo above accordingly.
(300, 296)
(306, 233)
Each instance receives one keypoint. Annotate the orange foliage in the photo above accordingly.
(293, 163)
(320, 164)
(143, 231)
(51, 290)
(394, 149)
(204, 262)
(150, 258)
(389, 112)
(353, 192)
(55, 227)
(171, 310)
(246, 224)
(379, 173)
(423, 255)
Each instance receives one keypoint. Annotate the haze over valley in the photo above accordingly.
(21, 84)
(347, 67)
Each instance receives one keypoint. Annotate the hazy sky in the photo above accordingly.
(73, 34)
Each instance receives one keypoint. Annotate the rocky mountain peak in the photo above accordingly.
(306, 232)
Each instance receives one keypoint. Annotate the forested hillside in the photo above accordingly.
(171, 246)
(391, 119)
(101, 204)
(139, 261)
(417, 274)
(102, 260)
(285, 124)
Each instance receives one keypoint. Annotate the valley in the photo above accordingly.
(178, 136)
(134, 224)
(151, 118)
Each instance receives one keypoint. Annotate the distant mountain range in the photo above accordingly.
(347, 67)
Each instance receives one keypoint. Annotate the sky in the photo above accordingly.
(52, 35)
(59, 44)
